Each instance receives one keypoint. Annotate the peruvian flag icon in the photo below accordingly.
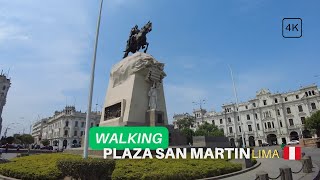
(292, 153)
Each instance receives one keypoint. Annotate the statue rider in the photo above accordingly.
(134, 30)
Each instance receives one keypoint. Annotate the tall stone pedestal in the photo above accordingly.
(135, 95)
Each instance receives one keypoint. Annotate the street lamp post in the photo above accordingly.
(237, 106)
(86, 137)
(6, 130)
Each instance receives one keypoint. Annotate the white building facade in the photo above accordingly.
(271, 118)
(65, 128)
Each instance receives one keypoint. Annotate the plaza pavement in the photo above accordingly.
(271, 166)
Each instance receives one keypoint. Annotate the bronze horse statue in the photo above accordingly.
(138, 39)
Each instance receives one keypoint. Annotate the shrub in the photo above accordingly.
(36, 167)
(168, 169)
(88, 169)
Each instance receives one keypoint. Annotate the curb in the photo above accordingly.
(233, 173)
(2, 177)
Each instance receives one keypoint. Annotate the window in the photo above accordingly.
(278, 111)
(309, 93)
(76, 124)
(258, 126)
(82, 124)
(75, 133)
(250, 127)
(212, 122)
(297, 96)
(265, 125)
(306, 94)
(275, 100)
(280, 123)
(66, 132)
(220, 121)
(229, 119)
(254, 104)
(246, 107)
(91, 125)
(256, 116)
(81, 133)
(4, 88)
(264, 102)
(303, 120)
(230, 130)
(269, 125)
(239, 128)
(272, 124)
(291, 122)
(285, 99)
(67, 123)
(300, 108)
(238, 118)
(313, 93)
(288, 110)
(313, 106)
(248, 117)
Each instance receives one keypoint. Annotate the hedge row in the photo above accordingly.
(168, 169)
(35, 167)
(88, 169)
(59, 165)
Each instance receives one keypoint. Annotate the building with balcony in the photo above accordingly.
(65, 128)
(269, 117)
(36, 131)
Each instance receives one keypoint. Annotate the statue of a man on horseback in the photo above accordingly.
(138, 39)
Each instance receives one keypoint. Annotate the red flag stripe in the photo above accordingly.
(298, 153)
(286, 152)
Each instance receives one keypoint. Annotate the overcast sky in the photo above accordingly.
(48, 46)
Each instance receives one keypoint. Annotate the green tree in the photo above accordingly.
(26, 139)
(184, 125)
(10, 139)
(189, 133)
(313, 122)
(186, 122)
(45, 142)
(207, 129)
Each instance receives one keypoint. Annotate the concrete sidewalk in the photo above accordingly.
(271, 166)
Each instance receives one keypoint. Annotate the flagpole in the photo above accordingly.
(86, 134)
(237, 106)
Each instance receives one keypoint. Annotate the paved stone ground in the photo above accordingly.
(271, 166)
(8, 155)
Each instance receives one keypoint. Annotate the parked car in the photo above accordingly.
(55, 148)
(293, 142)
(265, 144)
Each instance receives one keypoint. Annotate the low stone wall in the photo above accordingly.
(210, 141)
(309, 142)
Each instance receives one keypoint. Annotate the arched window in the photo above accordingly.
(66, 132)
(313, 106)
(67, 123)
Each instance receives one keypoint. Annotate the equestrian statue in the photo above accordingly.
(138, 39)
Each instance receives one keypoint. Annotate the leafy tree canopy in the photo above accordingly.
(186, 122)
(207, 129)
(313, 122)
(45, 142)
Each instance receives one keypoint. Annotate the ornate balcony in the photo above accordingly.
(294, 127)
(270, 130)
